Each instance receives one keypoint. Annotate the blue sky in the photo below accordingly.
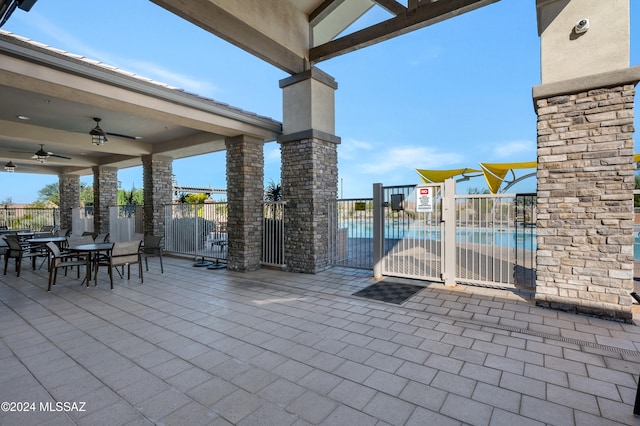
(446, 96)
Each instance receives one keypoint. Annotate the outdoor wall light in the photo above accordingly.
(10, 167)
(98, 136)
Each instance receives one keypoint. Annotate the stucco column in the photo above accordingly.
(157, 173)
(585, 108)
(69, 186)
(105, 195)
(245, 192)
(309, 168)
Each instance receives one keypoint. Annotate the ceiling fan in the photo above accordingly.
(41, 155)
(100, 136)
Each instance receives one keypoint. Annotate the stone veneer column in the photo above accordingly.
(69, 187)
(245, 193)
(309, 183)
(157, 174)
(105, 195)
(585, 197)
(309, 168)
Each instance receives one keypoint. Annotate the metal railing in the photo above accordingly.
(480, 239)
(351, 233)
(273, 234)
(412, 244)
(28, 218)
(486, 239)
(198, 230)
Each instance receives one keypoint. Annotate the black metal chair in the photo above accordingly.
(18, 252)
(102, 238)
(62, 232)
(122, 254)
(4, 247)
(59, 260)
(153, 247)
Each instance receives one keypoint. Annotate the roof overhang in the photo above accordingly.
(61, 93)
(293, 35)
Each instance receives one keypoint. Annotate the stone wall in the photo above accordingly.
(245, 192)
(309, 182)
(585, 202)
(157, 175)
(105, 195)
(69, 186)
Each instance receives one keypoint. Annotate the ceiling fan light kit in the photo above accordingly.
(98, 136)
(41, 155)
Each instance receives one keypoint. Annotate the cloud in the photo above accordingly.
(166, 76)
(351, 148)
(143, 69)
(515, 148)
(408, 158)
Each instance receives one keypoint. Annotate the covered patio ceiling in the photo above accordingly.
(50, 97)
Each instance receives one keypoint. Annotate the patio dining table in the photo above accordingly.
(45, 240)
(92, 251)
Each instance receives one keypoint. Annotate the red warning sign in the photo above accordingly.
(424, 200)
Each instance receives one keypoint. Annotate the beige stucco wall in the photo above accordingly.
(603, 48)
(308, 102)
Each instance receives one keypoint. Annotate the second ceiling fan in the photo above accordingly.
(41, 155)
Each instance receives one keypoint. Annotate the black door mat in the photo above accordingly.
(389, 292)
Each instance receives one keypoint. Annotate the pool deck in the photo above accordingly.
(213, 347)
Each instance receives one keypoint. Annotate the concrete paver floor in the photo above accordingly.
(194, 346)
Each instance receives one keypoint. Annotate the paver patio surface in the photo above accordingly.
(196, 347)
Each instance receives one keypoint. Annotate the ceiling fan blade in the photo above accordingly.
(119, 135)
(51, 154)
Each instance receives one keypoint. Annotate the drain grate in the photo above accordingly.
(576, 342)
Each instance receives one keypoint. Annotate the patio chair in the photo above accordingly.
(153, 247)
(18, 252)
(102, 238)
(62, 232)
(76, 241)
(4, 247)
(47, 228)
(59, 260)
(123, 254)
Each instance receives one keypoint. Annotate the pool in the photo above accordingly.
(522, 237)
(510, 237)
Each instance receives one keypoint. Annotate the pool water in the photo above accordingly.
(525, 238)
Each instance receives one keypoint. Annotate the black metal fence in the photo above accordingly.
(28, 218)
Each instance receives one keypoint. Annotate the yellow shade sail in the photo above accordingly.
(494, 173)
(437, 176)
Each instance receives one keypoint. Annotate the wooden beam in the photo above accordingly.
(426, 14)
(217, 20)
(392, 6)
